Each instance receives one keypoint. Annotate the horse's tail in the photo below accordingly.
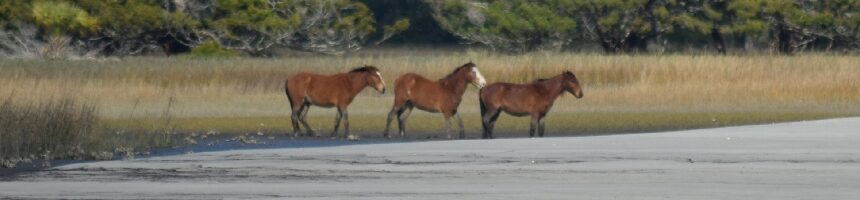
(287, 91)
(481, 102)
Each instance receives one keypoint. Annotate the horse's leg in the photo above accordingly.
(541, 126)
(488, 119)
(401, 119)
(533, 126)
(295, 118)
(484, 125)
(336, 123)
(345, 122)
(448, 127)
(447, 124)
(303, 118)
(493, 123)
(460, 125)
(394, 111)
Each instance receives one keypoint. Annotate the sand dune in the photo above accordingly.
(802, 160)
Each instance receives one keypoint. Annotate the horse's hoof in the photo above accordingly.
(353, 138)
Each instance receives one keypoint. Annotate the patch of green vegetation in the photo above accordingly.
(211, 49)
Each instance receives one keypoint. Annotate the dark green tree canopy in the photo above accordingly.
(87, 28)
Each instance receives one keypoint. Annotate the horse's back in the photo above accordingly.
(322, 90)
(514, 99)
(297, 83)
(494, 90)
(410, 83)
(424, 94)
(301, 77)
(408, 80)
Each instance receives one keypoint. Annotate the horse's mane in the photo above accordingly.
(470, 64)
(563, 74)
(365, 68)
(568, 73)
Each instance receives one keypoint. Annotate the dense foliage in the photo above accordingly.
(88, 28)
(632, 25)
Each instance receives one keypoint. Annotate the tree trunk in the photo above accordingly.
(610, 47)
(719, 42)
(749, 46)
(633, 43)
(784, 39)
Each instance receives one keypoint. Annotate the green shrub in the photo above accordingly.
(210, 49)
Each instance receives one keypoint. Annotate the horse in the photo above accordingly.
(413, 90)
(338, 90)
(533, 99)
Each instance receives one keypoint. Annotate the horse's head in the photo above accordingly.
(372, 76)
(470, 70)
(571, 84)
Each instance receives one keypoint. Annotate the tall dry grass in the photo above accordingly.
(246, 89)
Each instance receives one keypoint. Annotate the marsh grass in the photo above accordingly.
(63, 128)
(46, 130)
(623, 93)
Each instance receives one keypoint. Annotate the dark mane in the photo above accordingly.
(568, 73)
(470, 64)
(563, 75)
(365, 68)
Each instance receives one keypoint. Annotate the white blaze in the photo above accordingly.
(481, 81)
(380, 79)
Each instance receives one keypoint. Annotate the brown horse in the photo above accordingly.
(306, 89)
(412, 90)
(534, 99)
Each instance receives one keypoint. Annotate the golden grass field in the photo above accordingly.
(623, 93)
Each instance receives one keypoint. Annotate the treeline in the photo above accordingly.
(63, 28)
(58, 28)
(619, 26)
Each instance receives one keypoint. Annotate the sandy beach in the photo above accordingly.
(800, 160)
